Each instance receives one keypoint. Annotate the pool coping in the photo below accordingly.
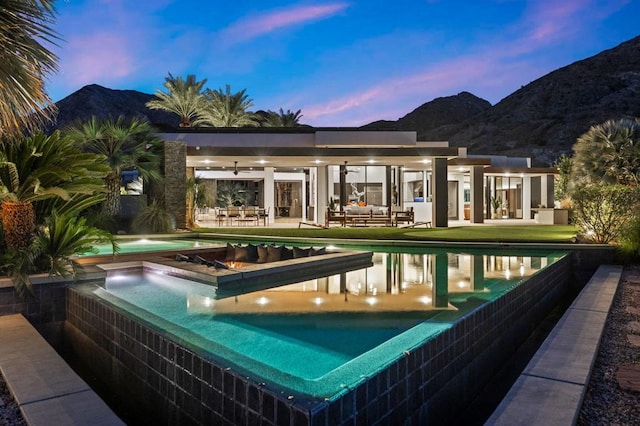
(45, 388)
(551, 388)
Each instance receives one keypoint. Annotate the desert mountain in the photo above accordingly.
(540, 120)
(544, 118)
(103, 103)
(439, 113)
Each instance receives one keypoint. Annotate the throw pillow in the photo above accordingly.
(274, 253)
(262, 254)
(252, 252)
(315, 252)
(300, 252)
(287, 253)
(241, 254)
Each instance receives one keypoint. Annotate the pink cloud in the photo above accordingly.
(114, 61)
(437, 80)
(252, 27)
(497, 65)
(549, 22)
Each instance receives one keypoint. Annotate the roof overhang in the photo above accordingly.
(521, 170)
(207, 156)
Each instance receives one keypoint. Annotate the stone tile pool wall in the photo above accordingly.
(430, 384)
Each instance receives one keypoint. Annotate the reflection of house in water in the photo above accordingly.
(397, 282)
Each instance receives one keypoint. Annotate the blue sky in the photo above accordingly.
(343, 63)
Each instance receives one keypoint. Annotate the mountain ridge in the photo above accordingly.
(541, 120)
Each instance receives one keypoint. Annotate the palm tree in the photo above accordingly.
(54, 245)
(183, 97)
(64, 236)
(282, 119)
(25, 64)
(226, 109)
(126, 145)
(41, 172)
(608, 153)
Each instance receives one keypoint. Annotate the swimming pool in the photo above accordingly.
(146, 245)
(323, 336)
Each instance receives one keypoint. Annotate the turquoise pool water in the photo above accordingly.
(322, 336)
(145, 245)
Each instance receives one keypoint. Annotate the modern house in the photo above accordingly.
(297, 172)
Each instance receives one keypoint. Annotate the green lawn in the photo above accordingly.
(511, 233)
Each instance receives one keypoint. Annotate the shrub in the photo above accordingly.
(153, 219)
(629, 244)
(52, 250)
(603, 212)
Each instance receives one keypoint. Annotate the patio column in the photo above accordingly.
(550, 192)
(269, 193)
(546, 191)
(526, 197)
(343, 186)
(439, 217)
(322, 193)
(477, 194)
(388, 188)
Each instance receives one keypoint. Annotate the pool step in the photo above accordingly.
(47, 390)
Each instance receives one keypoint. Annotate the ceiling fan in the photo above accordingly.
(235, 169)
(346, 170)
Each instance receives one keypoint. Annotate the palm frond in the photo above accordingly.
(25, 64)
(226, 109)
(183, 97)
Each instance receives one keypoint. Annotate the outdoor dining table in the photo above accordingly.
(231, 216)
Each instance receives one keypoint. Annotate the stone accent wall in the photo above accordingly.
(175, 175)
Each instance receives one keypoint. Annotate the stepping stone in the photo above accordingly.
(628, 377)
(633, 327)
(634, 340)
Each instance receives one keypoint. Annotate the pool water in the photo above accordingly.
(320, 336)
(144, 245)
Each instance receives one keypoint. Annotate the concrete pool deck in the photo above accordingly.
(551, 388)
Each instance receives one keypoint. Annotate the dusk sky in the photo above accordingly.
(343, 63)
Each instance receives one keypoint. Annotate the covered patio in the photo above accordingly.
(296, 175)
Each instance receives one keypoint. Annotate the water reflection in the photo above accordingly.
(397, 282)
